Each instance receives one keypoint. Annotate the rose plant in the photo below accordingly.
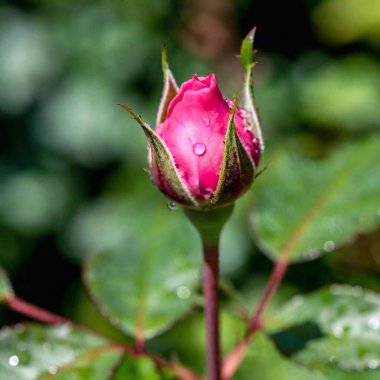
(203, 154)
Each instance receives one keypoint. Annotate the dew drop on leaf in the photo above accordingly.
(183, 292)
(329, 246)
(374, 323)
(14, 360)
(373, 364)
(172, 206)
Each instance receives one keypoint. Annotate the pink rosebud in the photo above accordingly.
(205, 150)
(194, 131)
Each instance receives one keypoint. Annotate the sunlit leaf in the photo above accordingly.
(36, 352)
(349, 321)
(98, 366)
(304, 208)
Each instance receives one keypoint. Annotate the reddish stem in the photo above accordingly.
(211, 293)
(273, 283)
(235, 357)
(34, 312)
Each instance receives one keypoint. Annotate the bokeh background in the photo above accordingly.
(71, 161)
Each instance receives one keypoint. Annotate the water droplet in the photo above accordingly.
(338, 331)
(373, 364)
(333, 359)
(329, 246)
(313, 253)
(183, 292)
(14, 360)
(206, 120)
(374, 323)
(172, 206)
(199, 149)
(53, 370)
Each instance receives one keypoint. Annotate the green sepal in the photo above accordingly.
(247, 58)
(170, 88)
(6, 290)
(169, 178)
(238, 169)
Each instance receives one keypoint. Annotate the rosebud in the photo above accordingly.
(205, 150)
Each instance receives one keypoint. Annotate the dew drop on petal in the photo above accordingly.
(13, 361)
(206, 120)
(199, 149)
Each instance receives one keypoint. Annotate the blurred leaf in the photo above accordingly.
(304, 208)
(28, 353)
(33, 201)
(346, 21)
(27, 61)
(150, 279)
(341, 94)
(99, 366)
(265, 363)
(6, 290)
(137, 368)
(350, 319)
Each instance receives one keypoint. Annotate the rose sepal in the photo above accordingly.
(247, 58)
(238, 169)
(170, 89)
(162, 165)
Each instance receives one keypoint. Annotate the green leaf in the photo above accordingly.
(91, 367)
(304, 208)
(265, 363)
(6, 290)
(150, 280)
(349, 319)
(136, 368)
(37, 352)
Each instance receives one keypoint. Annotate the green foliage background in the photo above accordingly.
(71, 162)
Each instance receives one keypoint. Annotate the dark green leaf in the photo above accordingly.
(265, 363)
(304, 208)
(349, 318)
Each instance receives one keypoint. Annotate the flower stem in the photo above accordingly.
(211, 293)
(209, 224)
